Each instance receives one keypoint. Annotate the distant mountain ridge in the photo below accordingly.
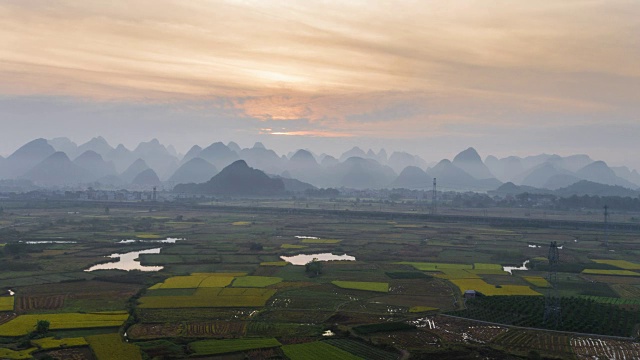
(101, 164)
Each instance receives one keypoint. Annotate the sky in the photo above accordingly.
(429, 77)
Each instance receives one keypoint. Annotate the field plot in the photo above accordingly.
(255, 281)
(320, 241)
(586, 348)
(622, 264)
(362, 285)
(12, 354)
(24, 324)
(27, 303)
(6, 303)
(555, 344)
(196, 280)
(610, 272)
(492, 290)
(362, 350)
(111, 347)
(318, 350)
(538, 281)
(211, 297)
(213, 347)
(52, 343)
(430, 266)
(578, 315)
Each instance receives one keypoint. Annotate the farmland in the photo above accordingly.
(225, 291)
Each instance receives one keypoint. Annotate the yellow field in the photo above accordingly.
(241, 223)
(111, 347)
(6, 303)
(538, 281)
(363, 285)
(24, 324)
(481, 266)
(622, 264)
(148, 236)
(211, 297)
(490, 290)
(293, 246)
(52, 343)
(610, 272)
(196, 280)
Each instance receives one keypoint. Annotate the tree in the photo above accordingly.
(42, 326)
(313, 267)
(106, 210)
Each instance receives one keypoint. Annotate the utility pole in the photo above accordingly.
(552, 309)
(434, 198)
(606, 226)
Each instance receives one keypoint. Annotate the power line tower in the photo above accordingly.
(606, 226)
(434, 198)
(552, 310)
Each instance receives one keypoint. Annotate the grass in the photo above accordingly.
(241, 223)
(211, 297)
(213, 347)
(111, 347)
(21, 354)
(24, 324)
(6, 303)
(52, 343)
(538, 281)
(255, 281)
(491, 290)
(363, 285)
(320, 241)
(610, 272)
(316, 351)
(622, 264)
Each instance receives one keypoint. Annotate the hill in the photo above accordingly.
(57, 170)
(237, 179)
(196, 170)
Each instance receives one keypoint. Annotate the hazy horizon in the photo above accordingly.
(428, 78)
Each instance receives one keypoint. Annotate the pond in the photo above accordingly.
(511, 268)
(168, 240)
(302, 259)
(128, 261)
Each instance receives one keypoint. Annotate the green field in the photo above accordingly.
(318, 350)
(213, 347)
(320, 241)
(6, 303)
(362, 285)
(428, 266)
(255, 281)
(24, 324)
(112, 347)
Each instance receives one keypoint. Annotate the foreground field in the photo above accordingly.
(225, 293)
